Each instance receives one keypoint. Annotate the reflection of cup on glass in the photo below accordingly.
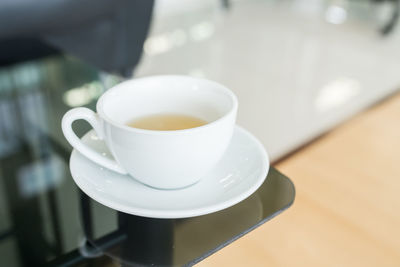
(141, 241)
(130, 239)
(163, 159)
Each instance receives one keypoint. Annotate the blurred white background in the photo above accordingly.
(298, 67)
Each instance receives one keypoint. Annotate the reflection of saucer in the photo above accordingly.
(240, 172)
(237, 219)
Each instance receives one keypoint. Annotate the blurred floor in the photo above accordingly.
(346, 211)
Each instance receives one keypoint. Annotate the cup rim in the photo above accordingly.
(222, 88)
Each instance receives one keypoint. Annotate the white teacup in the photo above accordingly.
(161, 159)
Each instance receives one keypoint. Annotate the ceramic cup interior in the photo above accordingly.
(200, 98)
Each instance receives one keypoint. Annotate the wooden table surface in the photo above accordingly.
(347, 207)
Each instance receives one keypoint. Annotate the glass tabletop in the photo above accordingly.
(46, 219)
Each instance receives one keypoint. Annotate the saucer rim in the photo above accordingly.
(176, 213)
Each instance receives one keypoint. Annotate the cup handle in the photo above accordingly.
(93, 119)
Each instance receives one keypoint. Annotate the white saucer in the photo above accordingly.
(240, 172)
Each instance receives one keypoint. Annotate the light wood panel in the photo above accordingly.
(347, 207)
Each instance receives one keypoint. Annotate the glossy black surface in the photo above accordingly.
(138, 241)
(46, 220)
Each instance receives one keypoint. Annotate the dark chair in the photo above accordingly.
(106, 33)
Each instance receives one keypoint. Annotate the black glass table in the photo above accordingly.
(46, 220)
